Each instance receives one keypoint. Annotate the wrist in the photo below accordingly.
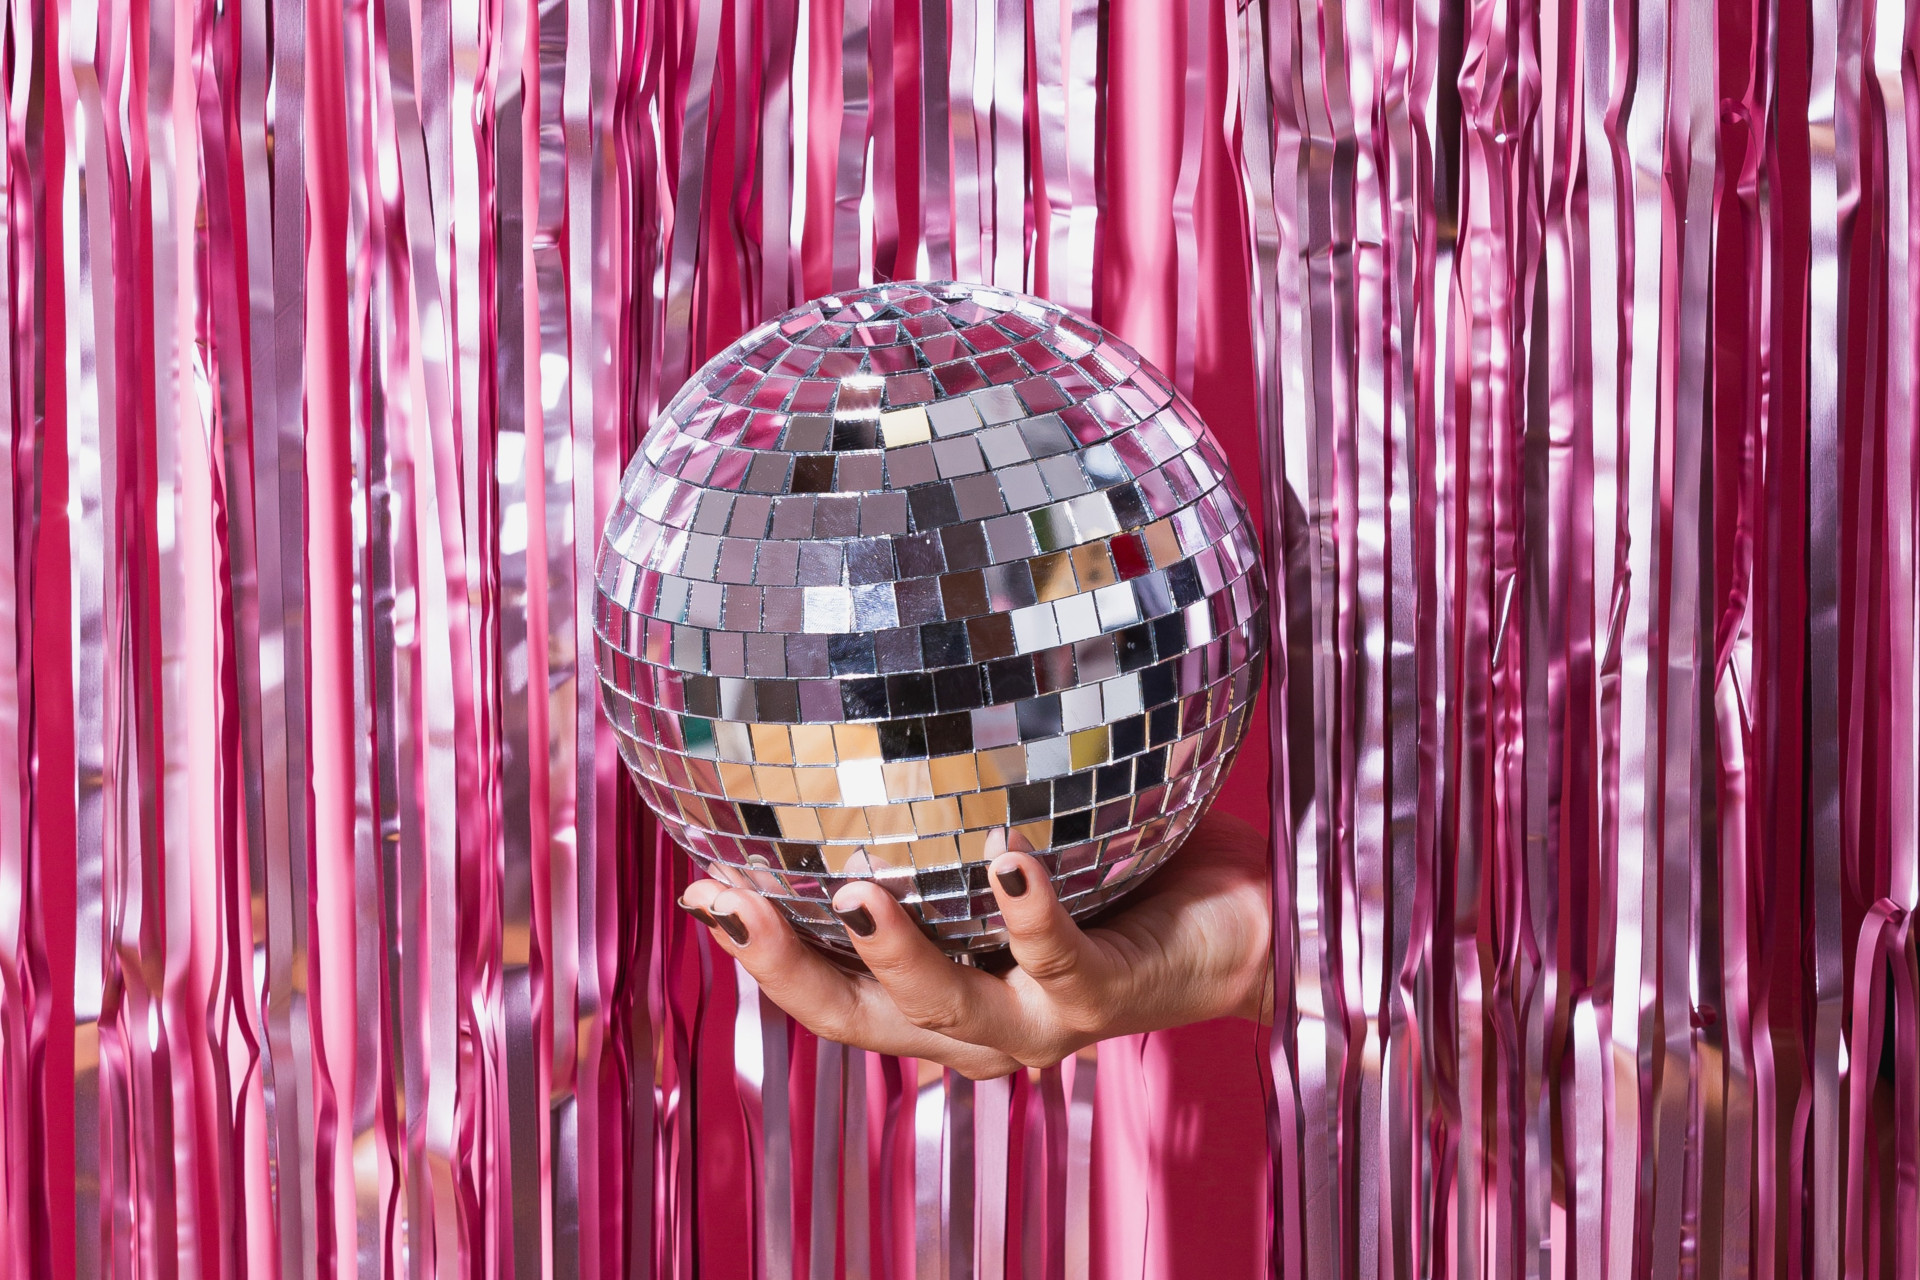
(1255, 1002)
(1256, 998)
(1254, 974)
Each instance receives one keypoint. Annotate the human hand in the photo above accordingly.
(1190, 944)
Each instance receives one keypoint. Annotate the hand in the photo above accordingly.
(1190, 944)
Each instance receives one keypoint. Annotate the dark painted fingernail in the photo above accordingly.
(860, 920)
(1014, 882)
(736, 927)
(698, 913)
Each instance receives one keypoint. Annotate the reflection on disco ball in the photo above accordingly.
(917, 574)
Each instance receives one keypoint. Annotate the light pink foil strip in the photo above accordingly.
(16, 993)
(850, 169)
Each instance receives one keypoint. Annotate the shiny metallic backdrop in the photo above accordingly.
(1578, 340)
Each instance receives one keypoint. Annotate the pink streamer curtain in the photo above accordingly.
(1572, 343)
(1587, 353)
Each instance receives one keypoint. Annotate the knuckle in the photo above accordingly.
(830, 1024)
(826, 1009)
(1051, 965)
(826, 1029)
(842, 1019)
(1082, 1018)
(1048, 1051)
(939, 1014)
(977, 1071)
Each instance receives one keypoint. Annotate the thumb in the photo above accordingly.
(1045, 941)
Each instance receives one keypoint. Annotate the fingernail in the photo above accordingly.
(698, 913)
(860, 920)
(1014, 882)
(736, 927)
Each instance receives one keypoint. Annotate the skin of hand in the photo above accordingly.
(1190, 944)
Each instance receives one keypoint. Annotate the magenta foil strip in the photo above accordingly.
(1572, 345)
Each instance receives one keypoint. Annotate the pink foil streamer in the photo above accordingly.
(1582, 358)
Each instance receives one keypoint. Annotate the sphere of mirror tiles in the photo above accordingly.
(916, 574)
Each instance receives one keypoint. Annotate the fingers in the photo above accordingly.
(1045, 941)
(794, 975)
(828, 1001)
(928, 988)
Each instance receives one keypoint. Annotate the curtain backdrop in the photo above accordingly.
(1570, 346)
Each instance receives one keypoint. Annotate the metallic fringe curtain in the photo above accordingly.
(331, 942)
(1588, 355)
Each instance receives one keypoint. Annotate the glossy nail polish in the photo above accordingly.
(1014, 882)
(859, 920)
(736, 927)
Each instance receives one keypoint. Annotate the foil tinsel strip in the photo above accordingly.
(1581, 338)
(17, 1002)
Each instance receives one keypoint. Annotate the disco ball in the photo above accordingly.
(917, 574)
